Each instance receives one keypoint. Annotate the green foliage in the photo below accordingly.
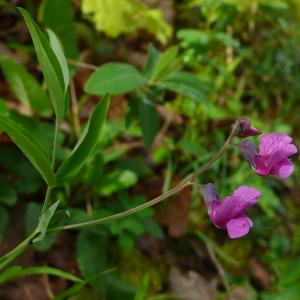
(30, 147)
(25, 87)
(18, 271)
(53, 12)
(50, 64)
(92, 256)
(233, 58)
(115, 17)
(187, 85)
(86, 144)
(149, 120)
(114, 79)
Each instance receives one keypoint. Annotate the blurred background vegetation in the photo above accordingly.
(245, 55)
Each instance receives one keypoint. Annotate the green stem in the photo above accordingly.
(47, 200)
(49, 189)
(19, 249)
(55, 143)
(184, 183)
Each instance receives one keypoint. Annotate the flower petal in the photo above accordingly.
(282, 169)
(248, 194)
(238, 227)
(245, 129)
(249, 152)
(209, 193)
(231, 207)
(271, 143)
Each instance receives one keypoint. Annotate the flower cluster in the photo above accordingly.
(272, 159)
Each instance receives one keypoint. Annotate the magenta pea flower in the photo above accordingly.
(229, 213)
(273, 157)
(245, 129)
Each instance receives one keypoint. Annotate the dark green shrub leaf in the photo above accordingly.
(187, 85)
(151, 60)
(92, 256)
(86, 144)
(166, 64)
(114, 79)
(149, 121)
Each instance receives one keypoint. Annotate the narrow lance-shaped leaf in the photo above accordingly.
(152, 57)
(114, 79)
(45, 221)
(59, 52)
(50, 65)
(25, 87)
(18, 271)
(166, 64)
(86, 144)
(30, 147)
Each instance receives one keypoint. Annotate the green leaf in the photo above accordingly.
(115, 181)
(18, 271)
(92, 256)
(152, 57)
(25, 87)
(142, 289)
(187, 85)
(58, 16)
(45, 221)
(114, 79)
(33, 211)
(149, 121)
(126, 241)
(50, 65)
(59, 52)
(30, 147)
(86, 144)
(166, 64)
(4, 111)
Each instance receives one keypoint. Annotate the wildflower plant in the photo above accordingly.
(229, 213)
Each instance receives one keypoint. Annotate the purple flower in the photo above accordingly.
(229, 213)
(245, 129)
(273, 156)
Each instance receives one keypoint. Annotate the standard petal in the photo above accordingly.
(249, 195)
(282, 169)
(238, 227)
(231, 207)
(273, 142)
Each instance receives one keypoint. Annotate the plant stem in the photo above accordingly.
(20, 248)
(55, 143)
(184, 183)
(74, 108)
(47, 199)
(49, 189)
